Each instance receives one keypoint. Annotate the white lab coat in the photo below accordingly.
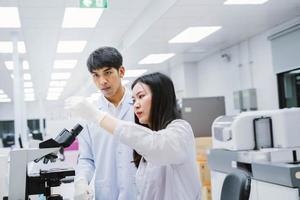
(171, 172)
(105, 160)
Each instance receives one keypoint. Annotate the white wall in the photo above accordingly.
(250, 67)
(184, 77)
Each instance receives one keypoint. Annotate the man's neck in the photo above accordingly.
(117, 97)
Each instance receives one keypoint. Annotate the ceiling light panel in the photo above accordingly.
(10, 65)
(9, 17)
(65, 64)
(28, 84)
(27, 77)
(134, 72)
(57, 83)
(60, 76)
(81, 17)
(29, 90)
(156, 58)
(53, 96)
(245, 2)
(3, 96)
(194, 34)
(29, 95)
(5, 100)
(71, 46)
(55, 90)
(7, 47)
(50, 98)
(29, 99)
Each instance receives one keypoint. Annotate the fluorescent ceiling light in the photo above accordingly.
(25, 65)
(156, 58)
(65, 64)
(58, 83)
(3, 96)
(50, 98)
(71, 46)
(29, 95)
(134, 72)
(81, 17)
(55, 90)
(28, 84)
(60, 76)
(7, 47)
(27, 77)
(9, 17)
(5, 100)
(246, 2)
(10, 65)
(29, 99)
(53, 94)
(29, 90)
(194, 34)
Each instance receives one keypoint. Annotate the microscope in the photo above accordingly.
(21, 185)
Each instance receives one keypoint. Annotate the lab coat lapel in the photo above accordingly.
(126, 107)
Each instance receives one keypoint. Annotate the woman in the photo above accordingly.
(164, 144)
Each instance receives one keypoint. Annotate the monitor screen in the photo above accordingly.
(201, 112)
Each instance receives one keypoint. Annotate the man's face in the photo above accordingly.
(108, 80)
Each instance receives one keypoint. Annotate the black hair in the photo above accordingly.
(104, 57)
(164, 108)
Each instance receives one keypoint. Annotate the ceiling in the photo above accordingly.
(137, 28)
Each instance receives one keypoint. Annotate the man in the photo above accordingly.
(102, 158)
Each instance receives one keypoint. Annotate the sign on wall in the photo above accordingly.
(93, 3)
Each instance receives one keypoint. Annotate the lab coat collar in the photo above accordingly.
(126, 102)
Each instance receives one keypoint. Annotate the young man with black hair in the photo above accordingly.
(103, 161)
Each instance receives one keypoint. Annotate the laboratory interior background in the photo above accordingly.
(235, 65)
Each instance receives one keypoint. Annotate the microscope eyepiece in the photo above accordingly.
(64, 139)
(76, 130)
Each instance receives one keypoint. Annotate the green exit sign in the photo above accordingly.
(93, 3)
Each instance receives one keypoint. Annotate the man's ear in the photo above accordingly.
(122, 71)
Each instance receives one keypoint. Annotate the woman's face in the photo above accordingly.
(142, 98)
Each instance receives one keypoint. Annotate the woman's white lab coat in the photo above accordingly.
(170, 171)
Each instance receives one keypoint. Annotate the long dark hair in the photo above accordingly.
(164, 107)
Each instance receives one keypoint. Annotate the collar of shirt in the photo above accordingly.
(115, 110)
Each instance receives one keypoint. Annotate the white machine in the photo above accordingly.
(264, 143)
(257, 129)
(4, 152)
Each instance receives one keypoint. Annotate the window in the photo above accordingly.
(289, 89)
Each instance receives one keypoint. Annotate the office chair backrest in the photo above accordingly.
(236, 186)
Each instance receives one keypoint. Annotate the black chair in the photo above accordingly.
(236, 186)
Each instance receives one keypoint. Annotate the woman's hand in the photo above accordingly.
(80, 107)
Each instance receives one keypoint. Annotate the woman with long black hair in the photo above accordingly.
(164, 144)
